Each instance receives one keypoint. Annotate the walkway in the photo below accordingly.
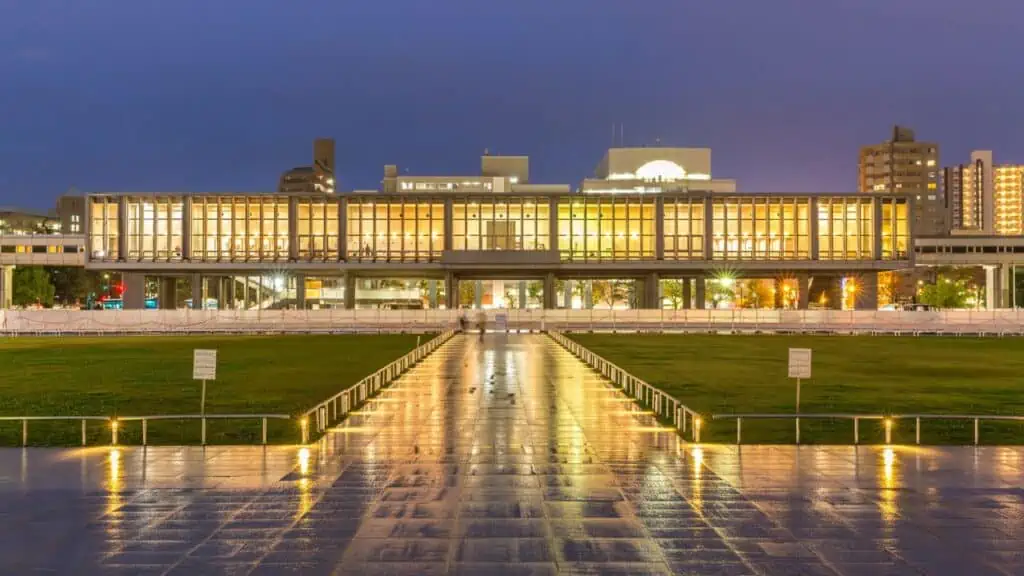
(511, 458)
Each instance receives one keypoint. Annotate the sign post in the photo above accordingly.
(799, 368)
(204, 367)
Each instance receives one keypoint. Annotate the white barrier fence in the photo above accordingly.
(954, 322)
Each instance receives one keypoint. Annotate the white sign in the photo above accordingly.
(204, 365)
(799, 362)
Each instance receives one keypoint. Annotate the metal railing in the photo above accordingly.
(115, 423)
(333, 409)
(664, 406)
(887, 419)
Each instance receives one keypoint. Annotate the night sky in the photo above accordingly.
(223, 95)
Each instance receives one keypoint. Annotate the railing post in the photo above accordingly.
(696, 429)
(83, 431)
(888, 431)
(856, 431)
(798, 430)
(305, 429)
(264, 431)
(203, 439)
(24, 432)
(975, 431)
(739, 433)
(917, 430)
(113, 431)
(144, 431)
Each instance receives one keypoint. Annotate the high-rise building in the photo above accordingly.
(985, 198)
(316, 178)
(904, 165)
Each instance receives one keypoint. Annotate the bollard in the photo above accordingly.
(83, 432)
(739, 428)
(113, 432)
(304, 423)
(975, 431)
(917, 430)
(856, 431)
(264, 431)
(144, 431)
(24, 432)
(888, 431)
(798, 431)
(203, 439)
(696, 429)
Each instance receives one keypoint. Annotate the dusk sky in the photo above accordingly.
(223, 95)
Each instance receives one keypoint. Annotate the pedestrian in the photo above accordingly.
(481, 321)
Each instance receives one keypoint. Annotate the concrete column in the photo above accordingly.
(709, 239)
(812, 227)
(1006, 285)
(522, 294)
(567, 295)
(588, 294)
(6, 286)
(803, 291)
(350, 291)
(293, 229)
(549, 292)
(448, 209)
(687, 293)
(834, 293)
(650, 299)
(186, 229)
(867, 292)
(778, 295)
(168, 296)
(134, 291)
(300, 291)
(432, 294)
(478, 294)
(122, 228)
(230, 291)
(552, 225)
(197, 292)
(876, 229)
(451, 291)
(700, 293)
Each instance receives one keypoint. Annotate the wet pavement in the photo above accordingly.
(511, 457)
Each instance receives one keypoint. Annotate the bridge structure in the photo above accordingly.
(997, 255)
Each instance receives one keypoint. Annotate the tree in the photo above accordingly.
(534, 291)
(32, 287)
(945, 293)
(673, 291)
(608, 291)
(72, 284)
(467, 293)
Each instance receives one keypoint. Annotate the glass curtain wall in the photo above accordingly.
(154, 229)
(316, 222)
(239, 228)
(684, 229)
(396, 231)
(606, 228)
(103, 228)
(500, 223)
(895, 230)
(845, 228)
(769, 228)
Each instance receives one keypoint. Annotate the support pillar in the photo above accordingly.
(700, 293)
(549, 292)
(6, 286)
(803, 291)
(522, 294)
(687, 293)
(650, 299)
(1006, 284)
(478, 294)
(197, 292)
(778, 294)
(567, 295)
(134, 291)
(300, 291)
(588, 294)
(230, 291)
(834, 293)
(451, 291)
(350, 291)
(866, 297)
(167, 298)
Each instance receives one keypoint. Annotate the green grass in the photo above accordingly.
(111, 376)
(851, 374)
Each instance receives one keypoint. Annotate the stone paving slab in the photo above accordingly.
(511, 457)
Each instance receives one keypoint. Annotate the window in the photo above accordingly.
(154, 229)
(684, 229)
(399, 230)
(240, 228)
(500, 223)
(317, 228)
(752, 228)
(597, 228)
(103, 228)
(845, 228)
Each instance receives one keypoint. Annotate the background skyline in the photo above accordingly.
(196, 96)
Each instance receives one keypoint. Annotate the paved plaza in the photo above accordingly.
(510, 457)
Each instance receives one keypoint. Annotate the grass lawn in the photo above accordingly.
(851, 374)
(107, 376)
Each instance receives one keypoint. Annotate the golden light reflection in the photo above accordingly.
(114, 483)
(887, 480)
(305, 498)
(304, 461)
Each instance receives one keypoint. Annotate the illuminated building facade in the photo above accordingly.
(986, 198)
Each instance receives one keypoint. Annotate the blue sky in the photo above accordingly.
(202, 96)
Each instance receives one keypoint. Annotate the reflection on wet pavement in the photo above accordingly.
(511, 457)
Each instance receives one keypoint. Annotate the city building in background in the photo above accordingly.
(317, 178)
(22, 222)
(498, 175)
(903, 165)
(984, 197)
(655, 169)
